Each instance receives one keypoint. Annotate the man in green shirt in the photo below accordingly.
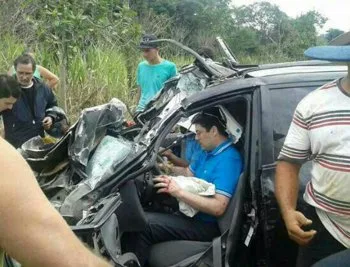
(152, 72)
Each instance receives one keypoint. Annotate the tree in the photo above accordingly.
(191, 19)
(333, 33)
(71, 26)
(269, 22)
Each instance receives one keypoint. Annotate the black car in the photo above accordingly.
(102, 203)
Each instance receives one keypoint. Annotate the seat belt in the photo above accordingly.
(217, 252)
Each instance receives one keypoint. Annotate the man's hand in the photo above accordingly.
(165, 167)
(294, 220)
(168, 153)
(167, 185)
(47, 123)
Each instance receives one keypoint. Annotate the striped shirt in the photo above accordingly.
(320, 131)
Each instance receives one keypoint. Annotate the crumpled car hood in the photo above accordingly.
(71, 171)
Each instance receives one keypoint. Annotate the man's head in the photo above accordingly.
(10, 90)
(150, 50)
(210, 128)
(25, 68)
(29, 52)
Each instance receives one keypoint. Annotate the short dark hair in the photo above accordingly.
(24, 59)
(146, 39)
(209, 118)
(9, 87)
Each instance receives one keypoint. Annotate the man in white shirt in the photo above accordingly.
(320, 131)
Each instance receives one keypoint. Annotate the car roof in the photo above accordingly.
(272, 74)
(296, 69)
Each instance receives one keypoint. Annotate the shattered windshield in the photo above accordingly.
(111, 152)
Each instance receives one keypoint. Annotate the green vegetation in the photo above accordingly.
(92, 44)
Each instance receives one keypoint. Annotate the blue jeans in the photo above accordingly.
(340, 259)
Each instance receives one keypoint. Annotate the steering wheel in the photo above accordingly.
(157, 168)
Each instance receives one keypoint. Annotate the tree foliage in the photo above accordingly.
(332, 34)
(250, 29)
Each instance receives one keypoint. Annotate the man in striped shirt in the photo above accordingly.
(320, 131)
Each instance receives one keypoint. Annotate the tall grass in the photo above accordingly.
(101, 72)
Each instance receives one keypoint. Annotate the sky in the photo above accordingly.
(337, 11)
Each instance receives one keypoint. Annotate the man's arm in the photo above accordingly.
(287, 186)
(50, 78)
(31, 230)
(215, 205)
(175, 159)
(183, 171)
(295, 151)
(10, 71)
(51, 101)
(286, 191)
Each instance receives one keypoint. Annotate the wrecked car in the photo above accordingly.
(99, 175)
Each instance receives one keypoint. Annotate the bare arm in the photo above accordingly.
(287, 186)
(183, 171)
(176, 160)
(50, 78)
(10, 71)
(31, 230)
(215, 205)
(286, 191)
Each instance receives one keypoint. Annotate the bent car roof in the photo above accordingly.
(271, 74)
(299, 69)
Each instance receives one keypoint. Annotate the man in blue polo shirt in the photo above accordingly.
(219, 163)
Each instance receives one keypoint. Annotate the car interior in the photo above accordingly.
(183, 252)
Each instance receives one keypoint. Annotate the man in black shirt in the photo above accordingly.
(28, 118)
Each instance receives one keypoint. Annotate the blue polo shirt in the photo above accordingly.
(221, 167)
(193, 149)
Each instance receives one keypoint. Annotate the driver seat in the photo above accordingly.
(184, 252)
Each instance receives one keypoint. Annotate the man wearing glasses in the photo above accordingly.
(152, 72)
(220, 164)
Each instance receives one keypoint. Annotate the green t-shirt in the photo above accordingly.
(151, 79)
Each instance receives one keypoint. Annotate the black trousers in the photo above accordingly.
(163, 227)
(322, 245)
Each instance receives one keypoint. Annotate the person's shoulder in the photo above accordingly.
(317, 96)
(230, 153)
(143, 63)
(40, 85)
(169, 63)
(233, 152)
(321, 92)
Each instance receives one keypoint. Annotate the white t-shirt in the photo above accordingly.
(320, 131)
